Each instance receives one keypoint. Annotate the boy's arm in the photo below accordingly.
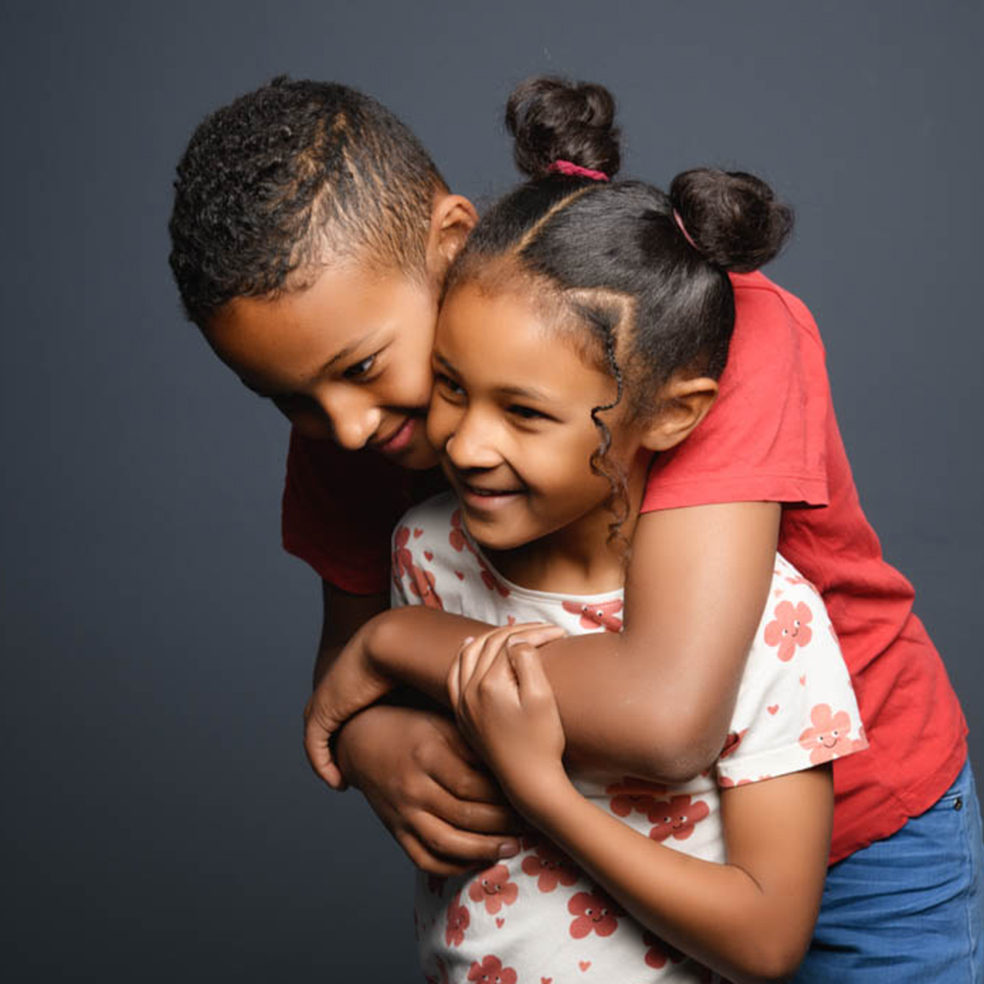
(695, 591)
(415, 770)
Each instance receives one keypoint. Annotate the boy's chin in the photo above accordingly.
(418, 458)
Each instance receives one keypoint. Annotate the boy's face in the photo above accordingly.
(346, 359)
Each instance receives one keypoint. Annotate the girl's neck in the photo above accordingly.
(582, 558)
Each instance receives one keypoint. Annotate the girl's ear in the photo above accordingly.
(452, 218)
(683, 405)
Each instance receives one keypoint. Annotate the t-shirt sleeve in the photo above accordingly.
(765, 437)
(338, 511)
(796, 707)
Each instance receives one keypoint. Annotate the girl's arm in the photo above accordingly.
(750, 919)
(696, 587)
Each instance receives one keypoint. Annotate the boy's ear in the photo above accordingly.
(452, 218)
(683, 405)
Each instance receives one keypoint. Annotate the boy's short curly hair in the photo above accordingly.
(288, 176)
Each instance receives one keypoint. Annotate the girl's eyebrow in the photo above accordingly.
(519, 392)
(527, 393)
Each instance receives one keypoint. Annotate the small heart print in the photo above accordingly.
(511, 619)
(459, 575)
(803, 680)
(772, 708)
(417, 531)
(777, 592)
(429, 554)
(546, 980)
(584, 964)
(499, 921)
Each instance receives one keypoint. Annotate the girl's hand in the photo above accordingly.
(350, 684)
(505, 707)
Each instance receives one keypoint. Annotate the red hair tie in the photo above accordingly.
(575, 170)
(683, 229)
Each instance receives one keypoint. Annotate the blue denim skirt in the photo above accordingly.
(910, 907)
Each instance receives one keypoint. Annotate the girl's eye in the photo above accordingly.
(526, 413)
(448, 384)
(359, 369)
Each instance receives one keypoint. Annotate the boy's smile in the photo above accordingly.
(347, 358)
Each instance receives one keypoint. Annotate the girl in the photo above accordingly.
(568, 350)
(296, 299)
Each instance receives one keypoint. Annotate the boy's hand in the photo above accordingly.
(350, 684)
(425, 784)
(505, 707)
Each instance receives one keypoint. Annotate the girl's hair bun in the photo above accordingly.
(554, 119)
(734, 219)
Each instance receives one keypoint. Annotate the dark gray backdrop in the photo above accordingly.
(161, 821)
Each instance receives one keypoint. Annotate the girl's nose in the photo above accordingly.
(353, 415)
(472, 444)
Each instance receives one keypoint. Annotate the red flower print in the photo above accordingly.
(732, 742)
(828, 738)
(458, 920)
(598, 615)
(550, 867)
(494, 888)
(631, 794)
(491, 971)
(595, 912)
(457, 537)
(402, 558)
(676, 818)
(490, 580)
(422, 585)
(790, 628)
(659, 951)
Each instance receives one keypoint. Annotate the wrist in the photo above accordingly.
(543, 796)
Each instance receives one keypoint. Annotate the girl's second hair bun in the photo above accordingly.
(553, 119)
(733, 218)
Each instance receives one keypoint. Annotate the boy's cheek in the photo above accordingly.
(310, 424)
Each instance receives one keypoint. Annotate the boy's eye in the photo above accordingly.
(359, 369)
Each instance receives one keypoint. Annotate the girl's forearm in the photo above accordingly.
(746, 928)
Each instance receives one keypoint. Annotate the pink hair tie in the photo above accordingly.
(683, 229)
(575, 170)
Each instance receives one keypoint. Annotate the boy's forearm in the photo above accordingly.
(607, 687)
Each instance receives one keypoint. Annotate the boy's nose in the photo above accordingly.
(353, 415)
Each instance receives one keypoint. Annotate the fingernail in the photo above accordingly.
(508, 849)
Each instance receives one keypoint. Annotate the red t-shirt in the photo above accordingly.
(771, 436)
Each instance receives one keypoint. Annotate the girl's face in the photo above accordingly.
(511, 416)
(348, 358)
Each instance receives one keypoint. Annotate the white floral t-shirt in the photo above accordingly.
(537, 918)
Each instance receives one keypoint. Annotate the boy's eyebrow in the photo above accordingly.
(345, 352)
